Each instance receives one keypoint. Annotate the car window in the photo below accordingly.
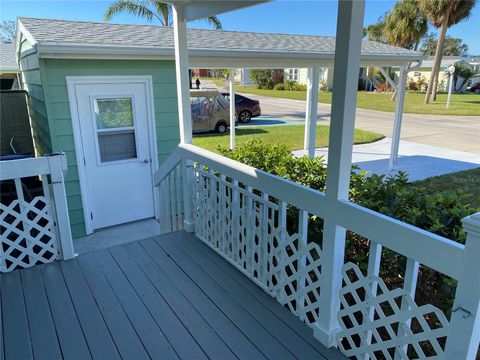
(224, 103)
(201, 108)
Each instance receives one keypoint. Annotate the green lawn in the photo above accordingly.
(217, 81)
(468, 181)
(289, 135)
(460, 104)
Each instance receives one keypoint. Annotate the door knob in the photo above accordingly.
(146, 161)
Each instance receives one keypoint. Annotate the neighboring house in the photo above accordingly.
(242, 76)
(426, 68)
(300, 75)
(106, 95)
(8, 67)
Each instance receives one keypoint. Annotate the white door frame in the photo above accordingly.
(72, 81)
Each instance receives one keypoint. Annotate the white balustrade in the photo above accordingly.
(241, 213)
(34, 223)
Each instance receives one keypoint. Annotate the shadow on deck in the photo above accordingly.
(164, 297)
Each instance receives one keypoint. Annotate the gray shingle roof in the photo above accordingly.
(7, 57)
(158, 37)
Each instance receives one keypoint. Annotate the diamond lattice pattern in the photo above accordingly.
(27, 234)
(387, 324)
(243, 226)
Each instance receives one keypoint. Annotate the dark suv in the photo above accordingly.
(245, 108)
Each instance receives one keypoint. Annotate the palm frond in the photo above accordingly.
(163, 10)
(134, 7)
(215, 21)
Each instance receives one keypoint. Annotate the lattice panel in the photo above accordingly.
(295, 276)
(27, 234)
(399, 329)
(244, 227)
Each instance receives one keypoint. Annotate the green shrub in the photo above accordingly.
(292, 85)
(393, 196)
(279, 87)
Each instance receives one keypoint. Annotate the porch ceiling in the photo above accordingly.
(207, 48)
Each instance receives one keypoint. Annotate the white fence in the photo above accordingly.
(241, 213)
(34, 222)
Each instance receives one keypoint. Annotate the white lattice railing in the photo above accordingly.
(259, 223)
(34, 223)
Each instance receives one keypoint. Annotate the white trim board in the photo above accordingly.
(72, 81)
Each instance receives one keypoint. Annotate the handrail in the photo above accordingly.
(402, 238)
(295, 194)
(167, 166)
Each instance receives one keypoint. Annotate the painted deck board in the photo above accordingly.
(69, 332)
(16, 335)
(265, 341)
(163, 297)
(275, 326)
(121, 329)
(203, 333)
(262, 297)
(227, 330)
(94, 328)
(42, 328)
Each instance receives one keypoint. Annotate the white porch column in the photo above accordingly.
(232, 108)
(311, 113)
(345, 84)
(184, 111)
(397, 122)
(181, 69)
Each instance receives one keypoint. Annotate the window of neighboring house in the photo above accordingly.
(292, 74)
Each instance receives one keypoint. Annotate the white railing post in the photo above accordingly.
(464, 338)
(347, 64)
(58, 164)
(397, 122)
(232, 108)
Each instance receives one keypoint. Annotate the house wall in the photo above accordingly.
(31, 78)
(56, 95)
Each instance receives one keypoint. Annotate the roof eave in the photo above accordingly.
(216, 58)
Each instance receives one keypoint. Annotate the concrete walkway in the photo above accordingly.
(417, 160)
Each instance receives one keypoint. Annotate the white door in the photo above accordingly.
(114, 130)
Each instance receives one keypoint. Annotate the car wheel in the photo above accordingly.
(245, 116)
(476, 91)
(221, 128)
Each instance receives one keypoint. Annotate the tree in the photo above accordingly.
(405, 26)
(443, 14)
(8, 30)
(150, 10)
(464, 71)
(402, 26)
(451, 47)
(266, 78)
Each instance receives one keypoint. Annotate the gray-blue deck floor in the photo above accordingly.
(166, 297)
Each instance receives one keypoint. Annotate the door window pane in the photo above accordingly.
(113, 113)
(115, 146)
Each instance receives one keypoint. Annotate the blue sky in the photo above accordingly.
(315, 17)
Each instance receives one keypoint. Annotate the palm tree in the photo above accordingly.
(443, 14)
(150, 10)
(405, 26)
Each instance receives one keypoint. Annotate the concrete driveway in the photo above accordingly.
(452, 132)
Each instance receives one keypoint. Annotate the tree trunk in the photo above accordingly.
(437, 61)
(435, 86)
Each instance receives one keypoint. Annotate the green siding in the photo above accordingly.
(32, 82)
(58, 109)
